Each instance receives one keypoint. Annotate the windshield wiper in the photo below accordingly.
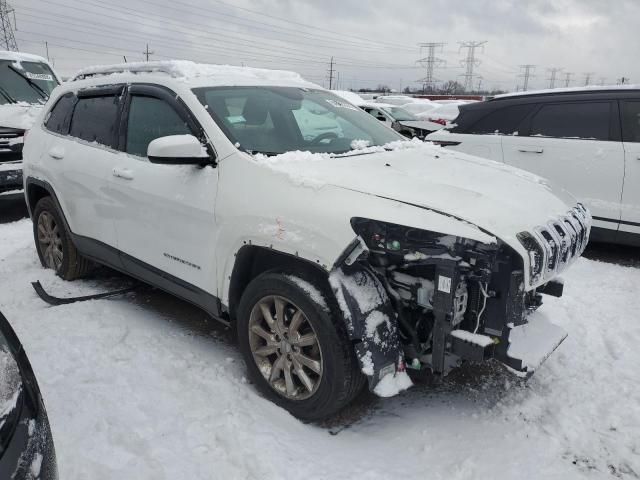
(33, 84)
(6, 95)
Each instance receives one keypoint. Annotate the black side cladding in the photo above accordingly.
(371, 320)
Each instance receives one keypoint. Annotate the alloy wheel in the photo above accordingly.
(285, 347)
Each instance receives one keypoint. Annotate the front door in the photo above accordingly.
(166, 223)
(630, 219)
(574, 145)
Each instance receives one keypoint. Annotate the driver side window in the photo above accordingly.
(151, 118)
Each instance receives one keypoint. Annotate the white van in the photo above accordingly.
(26, 81)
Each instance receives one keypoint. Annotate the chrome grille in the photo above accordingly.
(561, 241)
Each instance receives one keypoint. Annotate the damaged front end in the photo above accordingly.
(418, 299)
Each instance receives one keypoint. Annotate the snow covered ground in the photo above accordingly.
(144, 387)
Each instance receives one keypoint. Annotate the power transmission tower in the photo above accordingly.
(470, 62)
(430, 62)
(587, 78)
(331, 74)
(147, 53)
(567, 78)
(553, 72)
(527, 74)
(7, 37)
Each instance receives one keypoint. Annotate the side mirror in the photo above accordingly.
(178, 150)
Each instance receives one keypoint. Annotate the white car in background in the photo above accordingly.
(399, 119)
(340, 260)
(586, 140)
(26, 81)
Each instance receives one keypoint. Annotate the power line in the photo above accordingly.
(7, 37)
(470, 62)
(526, 75)
(430, 62)
(553, 73)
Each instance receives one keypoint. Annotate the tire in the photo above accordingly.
(322, 394)
(53, 242)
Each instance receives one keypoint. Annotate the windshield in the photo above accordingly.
(29, 82)
(274, 120)
(400, 113)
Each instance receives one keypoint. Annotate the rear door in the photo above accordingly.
(630, 114)
(576, 145)
(167, 223)
(81, 154)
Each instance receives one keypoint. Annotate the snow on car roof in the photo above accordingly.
(200, 73)
(21, 57)
(351, 97)
(588, 88)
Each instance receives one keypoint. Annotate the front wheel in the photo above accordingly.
(296, 351)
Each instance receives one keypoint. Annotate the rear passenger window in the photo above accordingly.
(95, 119)
(505, 120)
(151, 118)
(631, 121)
(589, 120)
(60, 115)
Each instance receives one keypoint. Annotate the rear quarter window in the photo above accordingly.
(95, 119)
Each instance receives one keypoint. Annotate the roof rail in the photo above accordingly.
(169, 68)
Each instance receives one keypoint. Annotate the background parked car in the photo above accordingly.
(586, 140)
(399, 119)
(26, 445)
(25, 84)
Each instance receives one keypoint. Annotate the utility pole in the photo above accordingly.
(526, 75)
(587, 78)
(470, 62)
(7, 37)
(147, 53)
(46, 46)
(553, 72)
(430, 62)
(331, 73)
(623, 80)
(479, 84)
(567, 78)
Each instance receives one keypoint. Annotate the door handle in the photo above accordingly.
(123, 173)
(530, 150)
(56, 153)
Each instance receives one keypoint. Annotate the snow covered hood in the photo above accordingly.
(20, 115)
(497, 198)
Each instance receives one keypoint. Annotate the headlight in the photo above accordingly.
(384, 237)
(536, 255)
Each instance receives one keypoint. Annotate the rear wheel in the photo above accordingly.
(296, 351)
(53, 242)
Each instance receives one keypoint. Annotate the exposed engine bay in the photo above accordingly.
(433, 300)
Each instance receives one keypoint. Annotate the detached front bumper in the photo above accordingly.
(526, 347)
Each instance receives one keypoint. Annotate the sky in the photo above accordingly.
(372, 42)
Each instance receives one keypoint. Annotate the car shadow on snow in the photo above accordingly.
(12, 210)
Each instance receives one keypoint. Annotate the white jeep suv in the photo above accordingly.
(340, 258)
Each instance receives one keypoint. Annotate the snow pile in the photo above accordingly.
(392, 384)
(350, 97)
(147, 387)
